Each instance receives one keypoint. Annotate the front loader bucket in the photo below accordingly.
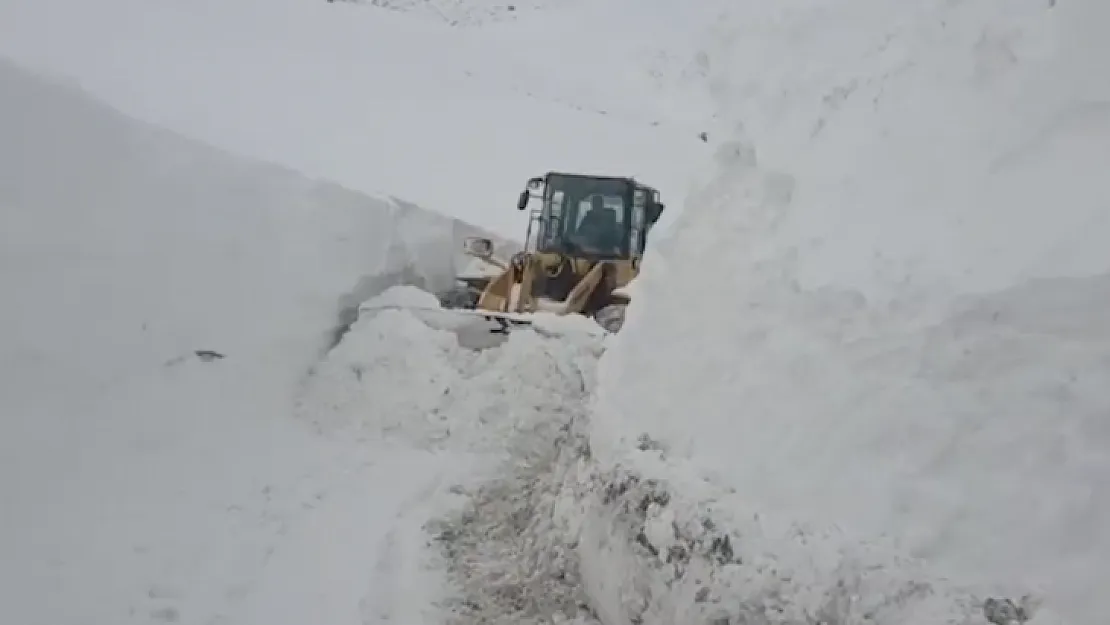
(475, 329)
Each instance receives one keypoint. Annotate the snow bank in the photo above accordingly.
(162, 300)
(906, 354)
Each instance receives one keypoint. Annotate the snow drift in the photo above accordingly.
(908, 349)
(162, 302)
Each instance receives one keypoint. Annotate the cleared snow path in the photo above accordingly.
(487, 424)
(525, 525)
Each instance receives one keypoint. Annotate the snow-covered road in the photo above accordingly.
(863, 380)
(354, 554)
(486, 426)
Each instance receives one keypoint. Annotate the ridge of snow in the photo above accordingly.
(905, 348)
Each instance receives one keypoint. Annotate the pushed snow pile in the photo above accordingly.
(427, 389)
(905, 352)
(551, 324)
(509, 549)
(401, 296)
(161, 301)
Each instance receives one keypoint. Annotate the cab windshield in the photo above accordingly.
(587, 215)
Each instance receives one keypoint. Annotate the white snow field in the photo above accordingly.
(141, 482)
(888, 408)
(383, 101)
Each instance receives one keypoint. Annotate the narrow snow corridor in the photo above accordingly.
(862, 380)
(501, 417)
(528, 526)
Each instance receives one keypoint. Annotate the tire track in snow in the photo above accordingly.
(510, 550)
(397, 579)
(320, 570)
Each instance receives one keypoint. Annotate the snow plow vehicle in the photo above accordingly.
(585, 241)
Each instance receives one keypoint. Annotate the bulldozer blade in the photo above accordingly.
(474, 328)
(455, 318)
(501, 322)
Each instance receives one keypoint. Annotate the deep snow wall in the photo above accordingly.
(123, 249)
(908, 341)
(103, 211)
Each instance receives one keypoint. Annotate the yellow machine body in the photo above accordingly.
(585, 241)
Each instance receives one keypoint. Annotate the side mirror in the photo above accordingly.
(522, 202)
(480, 247)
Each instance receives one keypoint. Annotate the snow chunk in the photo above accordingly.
(554, 324)
(402, 296)
(478, 268)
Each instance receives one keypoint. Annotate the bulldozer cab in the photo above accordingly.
(590, 217)
(586, 236)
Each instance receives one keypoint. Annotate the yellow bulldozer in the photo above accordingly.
(585, 241)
